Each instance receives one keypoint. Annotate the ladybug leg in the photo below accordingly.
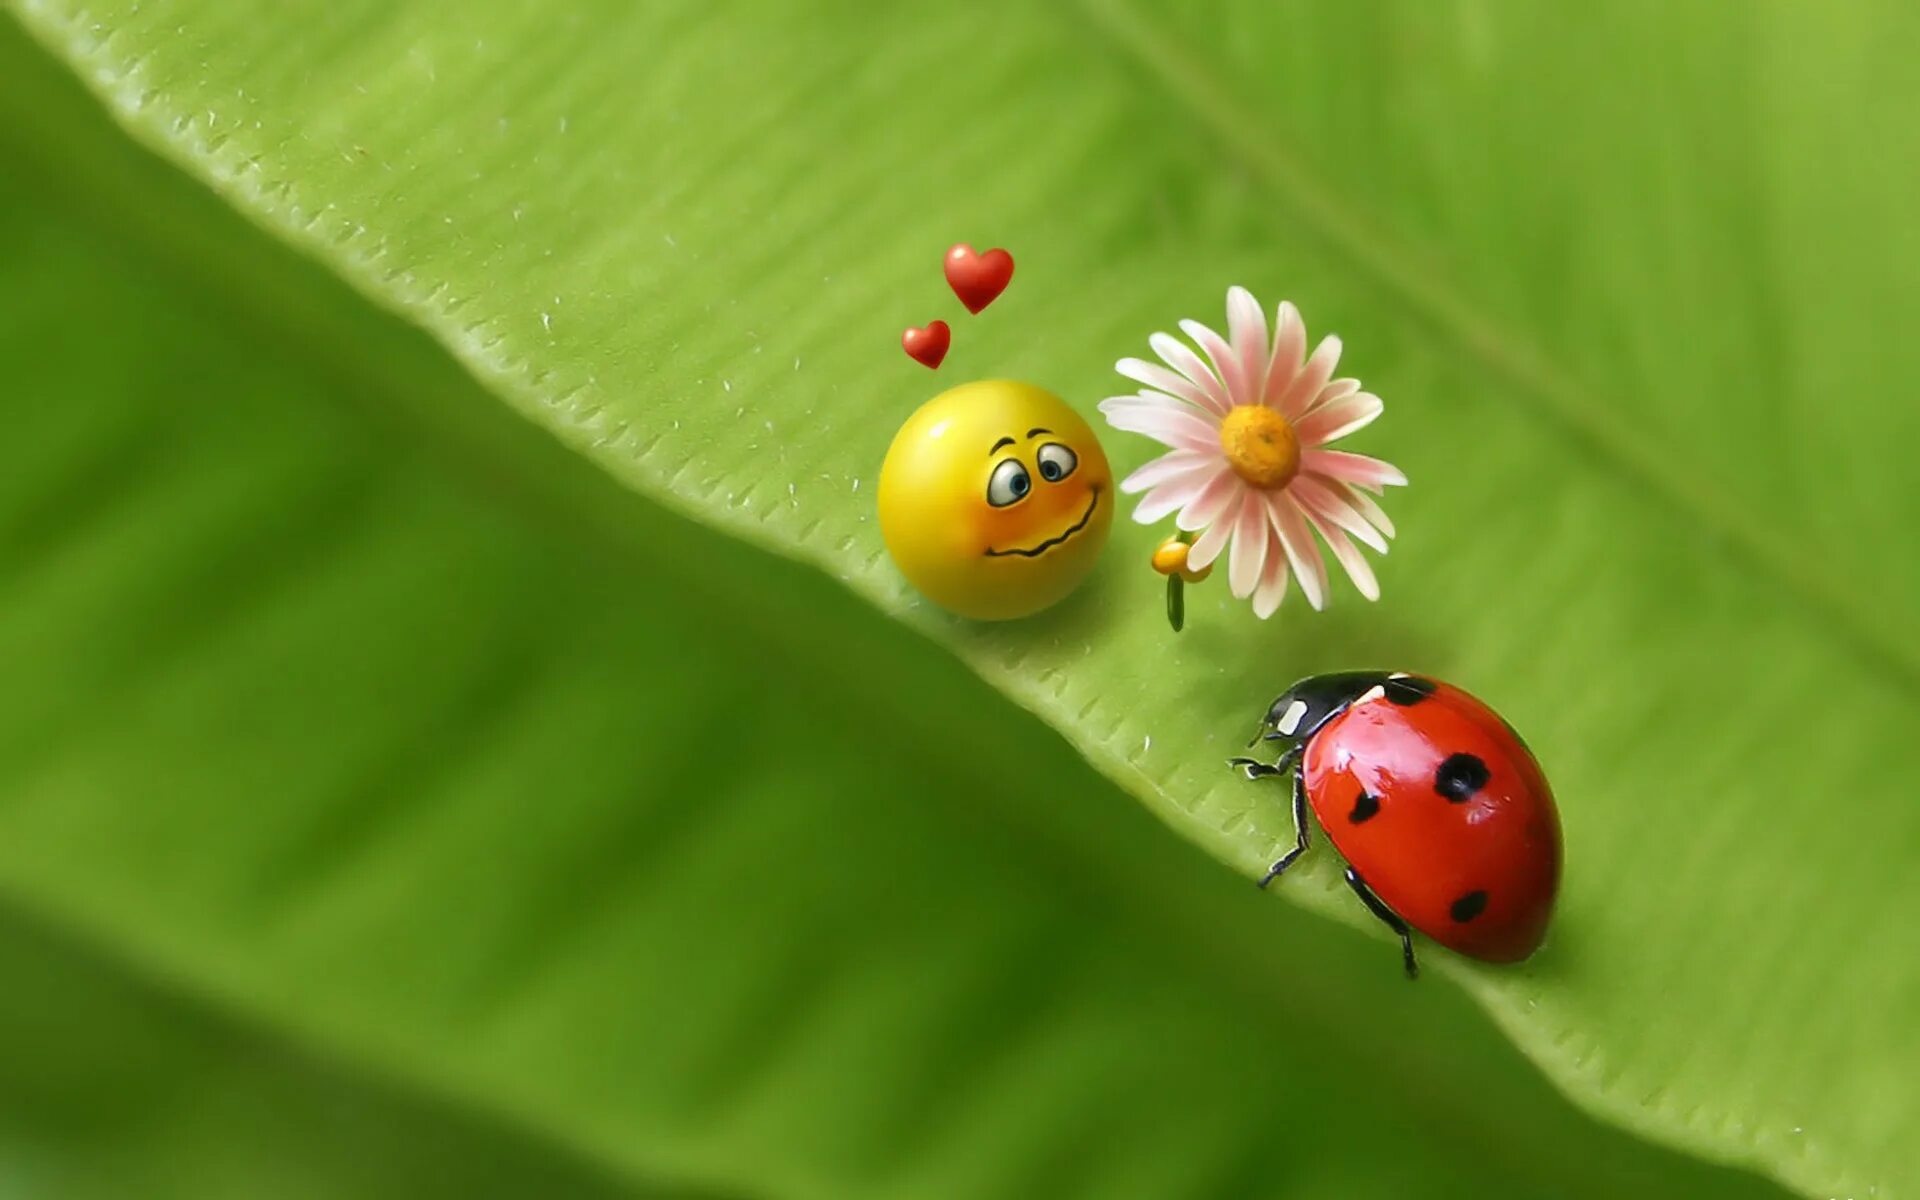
(1299, 829)
(1387, 916)
(1256, 769)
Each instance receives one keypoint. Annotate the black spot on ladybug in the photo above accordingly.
(1407, 690)
(1460, 777)
(1469, 906)
(1365, 805)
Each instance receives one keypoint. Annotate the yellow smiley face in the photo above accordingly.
(995, 499)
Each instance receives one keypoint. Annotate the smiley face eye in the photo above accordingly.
(1009, 483)
(1056, 462)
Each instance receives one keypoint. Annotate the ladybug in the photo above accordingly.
(1443, 815)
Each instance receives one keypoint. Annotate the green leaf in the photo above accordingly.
(1634, 284)
(389, 806)
(117, 1085)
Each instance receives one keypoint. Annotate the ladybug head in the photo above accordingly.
(1314, 701)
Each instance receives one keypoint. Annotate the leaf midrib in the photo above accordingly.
(1405, 274)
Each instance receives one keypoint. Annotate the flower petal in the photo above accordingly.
(1297, 540)
(1213, 503)
(1208, 545)
(1362, 503)
(1289, 349)
(1225, 364)
(1272, 588)
(1166, 467)
(1175, 493)
(1348, 555)
(1146, 403)
(1171, 382)
(1333, 391)
(1352, 468)
(1331, 422)
(1247, 330)
(1320, 500)
(1172, 423)
(1145, 397)
(1249, 550)
(1176, 354)
(1306, 385)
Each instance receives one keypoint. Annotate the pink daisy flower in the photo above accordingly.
(1250, 470)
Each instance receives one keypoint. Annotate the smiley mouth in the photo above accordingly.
(1093, 502)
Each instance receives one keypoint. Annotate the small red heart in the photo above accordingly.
(978, 278)
(927, 346)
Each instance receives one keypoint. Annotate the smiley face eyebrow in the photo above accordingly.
(1037, 432)
(1000, 443)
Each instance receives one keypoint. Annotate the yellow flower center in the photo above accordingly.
(1260, 446)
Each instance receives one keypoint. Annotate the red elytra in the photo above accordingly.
(1444, 817)
(978, 279)
(927, 346)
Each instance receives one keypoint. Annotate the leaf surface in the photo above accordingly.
(1633, 285)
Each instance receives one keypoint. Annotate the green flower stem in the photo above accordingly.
(1177, 592)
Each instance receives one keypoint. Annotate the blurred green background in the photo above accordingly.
(398, 799)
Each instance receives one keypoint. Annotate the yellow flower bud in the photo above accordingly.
(1171, 559)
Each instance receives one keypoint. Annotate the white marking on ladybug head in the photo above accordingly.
(1372, 693)
(1290, 720)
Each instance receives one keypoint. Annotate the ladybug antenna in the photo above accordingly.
(1257, 735)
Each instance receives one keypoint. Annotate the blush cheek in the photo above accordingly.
(1045, 514)
(995, 528)
(1062, 507)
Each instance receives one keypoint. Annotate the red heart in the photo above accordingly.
(927, 346)
(978, 278)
